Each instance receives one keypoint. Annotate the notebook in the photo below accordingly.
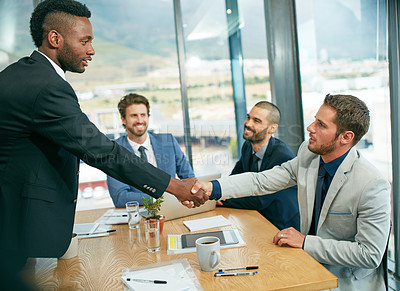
(171, 208)
(226, 237)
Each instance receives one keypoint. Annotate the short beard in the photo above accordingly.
(257, 137)
(324, 149)
(137, 134)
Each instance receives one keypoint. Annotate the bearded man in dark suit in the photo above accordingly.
(261, 151)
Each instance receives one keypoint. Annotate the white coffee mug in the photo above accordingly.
(208, 252)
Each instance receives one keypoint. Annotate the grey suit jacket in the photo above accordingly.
(355, 219)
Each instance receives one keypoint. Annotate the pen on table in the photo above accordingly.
(89, 233)
(223, 274)
(243, 268)
(116, 215)
(147, 281)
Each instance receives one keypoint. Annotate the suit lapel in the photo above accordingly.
(246, 157)
(337, 182)
(126, 144)
(267, 154)
(309, 203)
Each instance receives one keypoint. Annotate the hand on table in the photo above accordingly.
(220, 202)
(289, 236)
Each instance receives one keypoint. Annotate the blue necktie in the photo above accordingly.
(320, 193)
(143, 155)
(254, 163)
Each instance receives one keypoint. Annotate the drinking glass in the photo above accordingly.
(152, 232)
(133, 211)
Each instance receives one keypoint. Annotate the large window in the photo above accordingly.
(15, 40)
(135, 52)
(212, 116)
(255, 58)
(209, 80)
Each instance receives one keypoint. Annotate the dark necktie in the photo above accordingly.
(143, 155)
(254, 163)
(320, 193)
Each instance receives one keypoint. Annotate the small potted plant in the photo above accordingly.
(153, 206)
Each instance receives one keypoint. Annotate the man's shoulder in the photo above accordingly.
(161, 137)
(121, 139)
(279, 147)
(160, 134)
(36, 71)
(361, 166)
(31, 65)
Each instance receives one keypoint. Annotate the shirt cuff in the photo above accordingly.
(304, 242)
(216, 192)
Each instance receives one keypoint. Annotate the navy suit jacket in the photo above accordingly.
(43, 134)
(169, 157)
(281, 208)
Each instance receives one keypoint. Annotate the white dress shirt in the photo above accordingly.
(151, 158)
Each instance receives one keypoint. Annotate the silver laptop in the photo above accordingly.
(171, 208)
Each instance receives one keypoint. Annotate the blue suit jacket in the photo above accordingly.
(169, 157)
(281, 208)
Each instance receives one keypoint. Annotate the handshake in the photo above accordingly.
(190, 192)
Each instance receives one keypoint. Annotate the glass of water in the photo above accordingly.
(152, 232)
(133, 211)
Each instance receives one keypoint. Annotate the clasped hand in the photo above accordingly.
(198, 189)
(187, 196)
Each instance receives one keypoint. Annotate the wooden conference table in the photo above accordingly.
(100, 260)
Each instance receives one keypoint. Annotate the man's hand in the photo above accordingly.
(207, 187)
(182, 189)
(289, 236)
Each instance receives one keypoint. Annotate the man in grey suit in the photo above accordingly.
(344, 201)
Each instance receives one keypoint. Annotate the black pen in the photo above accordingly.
(243, 268)
(116, 215)
(110, 230)
(147, 281)
(223, 274)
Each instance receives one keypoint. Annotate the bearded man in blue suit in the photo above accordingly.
(160, 150)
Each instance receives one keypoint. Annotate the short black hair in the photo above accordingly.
(274, 114)
(43, 9)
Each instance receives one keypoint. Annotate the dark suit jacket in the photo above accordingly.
(43, 134)
(281, 208)
(169, 157)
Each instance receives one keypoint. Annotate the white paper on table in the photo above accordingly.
(178, 274)
(114, 216)
(208, 222)
(118, 216)
(86, 230)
